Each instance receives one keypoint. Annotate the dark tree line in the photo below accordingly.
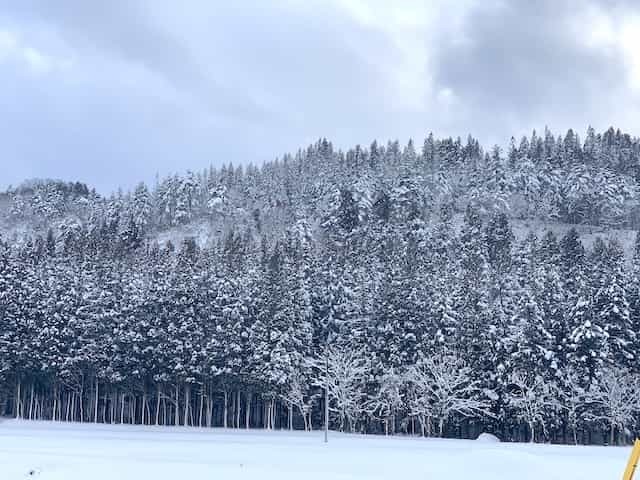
(400, 279)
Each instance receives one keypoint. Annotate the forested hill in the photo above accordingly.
(554, 180)
(209, 298)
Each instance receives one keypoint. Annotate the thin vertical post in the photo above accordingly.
(326, 397)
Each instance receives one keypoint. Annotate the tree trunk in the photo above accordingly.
(55, 401)
(248, 412)
(533, 432)
(612, 433)
(31, 403)
(104, 409)
(176, 421)
(226, 409)
(273, 414)
(95, 411)
(143, 410)
(158, 405)
(112, 407)
(209, 411)
(38, 408)
(164, 412)
(265, 423)
(19, 400)
(237, 410)
(201, 409)
(187, 401)
(81, 403)
(66, 416)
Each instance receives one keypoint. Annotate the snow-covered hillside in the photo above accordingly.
(388, 274)
(51, 451)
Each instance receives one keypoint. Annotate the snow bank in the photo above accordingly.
(487, 438)
(98, 452)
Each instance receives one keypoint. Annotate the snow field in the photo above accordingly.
(59, 451)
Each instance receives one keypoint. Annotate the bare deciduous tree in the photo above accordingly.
(614, 398)
(297, 395)
(342, 371)
(442, 386)
(532, 397)
(572, 397)
(388, 399)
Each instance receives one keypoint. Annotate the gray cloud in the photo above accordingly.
(124, 31)
(113, 92)
(524, 61)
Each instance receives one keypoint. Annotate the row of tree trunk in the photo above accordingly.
(195, 405)
(178, 404)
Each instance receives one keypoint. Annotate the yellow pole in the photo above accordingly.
(633, 461)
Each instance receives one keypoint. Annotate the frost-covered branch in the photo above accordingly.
(443, 386)
(343, 372)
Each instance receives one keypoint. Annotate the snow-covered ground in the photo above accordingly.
(49, 451)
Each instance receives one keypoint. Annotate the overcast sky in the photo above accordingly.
(111, 92)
